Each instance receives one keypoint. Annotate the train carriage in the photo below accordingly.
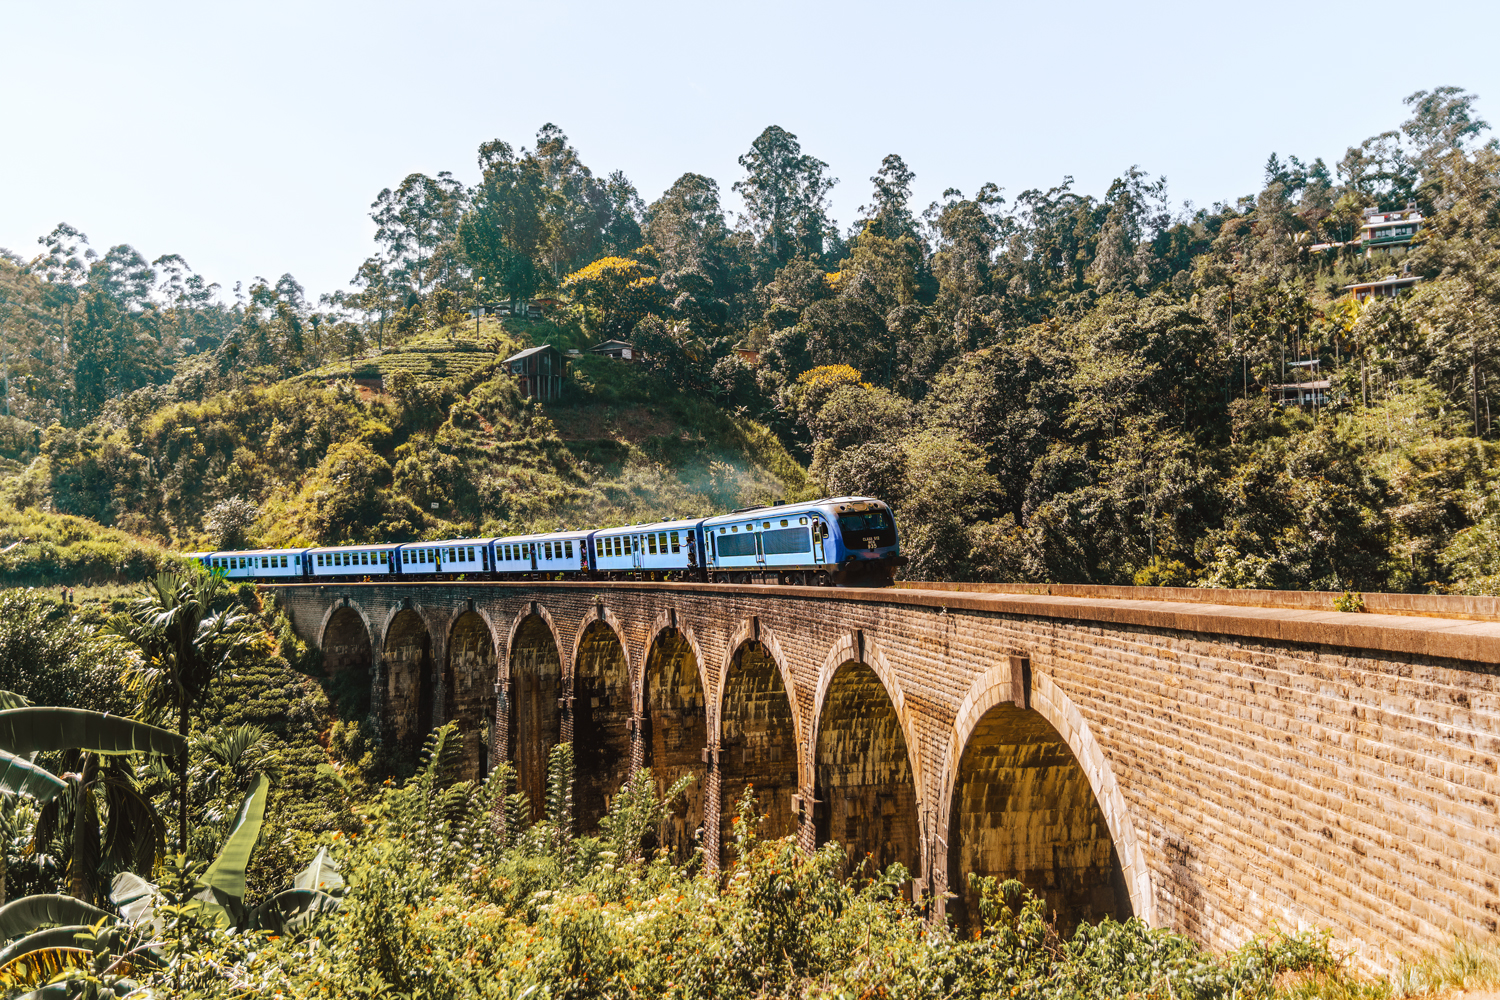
(843, 541)
(661, 550)
(447, 558)
(553, 554)
(351, 562)
(255, 564)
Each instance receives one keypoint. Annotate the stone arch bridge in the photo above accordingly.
(1212, 767)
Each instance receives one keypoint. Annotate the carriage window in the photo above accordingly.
(617, 545)
(364, 558)
(569, 546)
(750, 527)
(265, 563)
(451, 556)
(320, 558)
(734, 528)
(651, 542)
(783, 522)
(721, 531)
(421, 555)
(674, 541)
(471, 553)
(801, 520)
(283, 562)
(663, 542)
(766, 524)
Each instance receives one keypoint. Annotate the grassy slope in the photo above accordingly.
(328, 463)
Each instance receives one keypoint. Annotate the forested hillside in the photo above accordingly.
(1048, 385)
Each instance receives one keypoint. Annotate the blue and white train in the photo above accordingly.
(837, 542)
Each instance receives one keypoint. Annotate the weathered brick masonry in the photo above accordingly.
(1211, 768)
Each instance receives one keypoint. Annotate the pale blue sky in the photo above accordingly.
(251, 138)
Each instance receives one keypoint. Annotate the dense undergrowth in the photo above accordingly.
(443, 904)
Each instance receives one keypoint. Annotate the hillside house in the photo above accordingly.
(1386, 288)
(1389, 230)
(620, 350)
(539, 372)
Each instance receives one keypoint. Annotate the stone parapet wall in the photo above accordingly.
(1422, 605)
(1250, 765)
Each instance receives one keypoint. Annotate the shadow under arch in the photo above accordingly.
(409, 684)
(867, 780)
(760, 732)
(469, 687)
(1028, 794)
(674, 729)
(534, 661)
(604, 700)
(348, 660)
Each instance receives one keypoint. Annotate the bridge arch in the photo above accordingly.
(532, 684)
(410, 681)
(867, 771)
(469, 683)
(674, 719)
(346, 638)
(605, 698)
(759, 732)
(1029, 747)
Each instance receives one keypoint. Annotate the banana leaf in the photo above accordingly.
(134, 897)
(57, 991)
(21, 777)
(49, 942)
(27, 914)
(226, 876)
(32, 730)
(291, 910)
(322, 874)
(9, 699)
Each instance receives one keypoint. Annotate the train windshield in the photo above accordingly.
(870, 529)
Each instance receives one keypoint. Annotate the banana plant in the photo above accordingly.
(100, 783)
(49, 934)
(221, 895)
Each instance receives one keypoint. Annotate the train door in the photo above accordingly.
(817, 540)
(636, 549)
(760, 550)
(531, 551)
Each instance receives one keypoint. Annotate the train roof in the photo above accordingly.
(254, 552)
(653, 526)
(543, 536)
(782, 509)
(447, 541)
(372, 546)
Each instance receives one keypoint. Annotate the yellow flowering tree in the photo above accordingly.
(615, 294)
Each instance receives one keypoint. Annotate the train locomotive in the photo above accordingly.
(834, 542)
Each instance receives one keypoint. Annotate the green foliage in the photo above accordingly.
(1349, 601)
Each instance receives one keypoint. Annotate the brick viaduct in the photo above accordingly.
(1218, 768)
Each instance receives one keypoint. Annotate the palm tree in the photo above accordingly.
(184, 644)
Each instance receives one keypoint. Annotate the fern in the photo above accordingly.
(560, 776)
(637, 810)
